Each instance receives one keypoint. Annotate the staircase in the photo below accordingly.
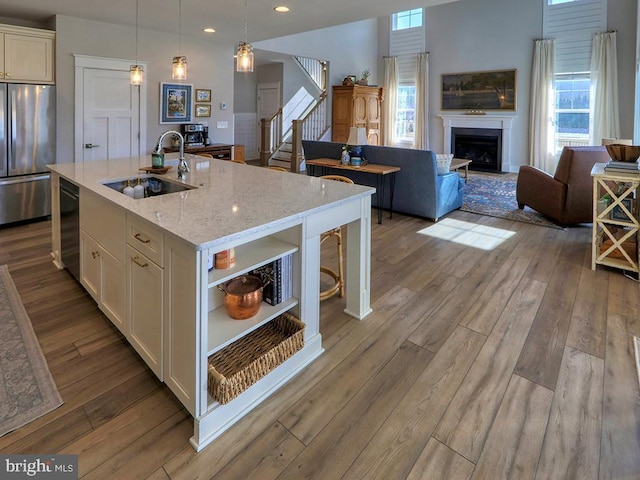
(304, 117)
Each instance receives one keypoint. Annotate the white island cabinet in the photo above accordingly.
(174, 314)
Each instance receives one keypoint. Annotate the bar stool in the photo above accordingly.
(336, 233)
(279, 169)
(205, 155)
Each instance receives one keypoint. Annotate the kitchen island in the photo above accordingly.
(144, 261)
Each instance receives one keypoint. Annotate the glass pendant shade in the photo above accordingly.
(179, 68)
(244, 57)
(136, 75)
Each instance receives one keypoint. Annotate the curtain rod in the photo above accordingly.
(403, 55)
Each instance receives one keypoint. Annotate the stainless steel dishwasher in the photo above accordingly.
(70, 226)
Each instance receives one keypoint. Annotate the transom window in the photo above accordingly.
(406, 19)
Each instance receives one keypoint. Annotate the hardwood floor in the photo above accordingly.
(514, 361)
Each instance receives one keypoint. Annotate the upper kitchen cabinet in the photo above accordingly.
(27, 55)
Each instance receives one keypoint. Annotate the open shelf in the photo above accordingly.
(612, 223)
(223, 330)
(250, 256)
(621, 264)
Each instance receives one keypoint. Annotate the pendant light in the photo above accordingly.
(179, 71)
(244, 53)
(136, 72)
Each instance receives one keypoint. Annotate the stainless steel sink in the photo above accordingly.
(154, 186)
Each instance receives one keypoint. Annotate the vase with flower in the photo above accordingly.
(364, 80)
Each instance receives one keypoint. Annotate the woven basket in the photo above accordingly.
(238, 366)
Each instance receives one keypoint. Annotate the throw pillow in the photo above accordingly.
(444, 162)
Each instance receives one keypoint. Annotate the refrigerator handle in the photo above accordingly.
(25, 179)
(12, 131)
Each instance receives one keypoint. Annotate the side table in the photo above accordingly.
(458, 163)
(380, 171)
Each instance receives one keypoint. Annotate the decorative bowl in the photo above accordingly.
(623, 153)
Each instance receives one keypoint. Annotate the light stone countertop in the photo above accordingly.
(232, 200)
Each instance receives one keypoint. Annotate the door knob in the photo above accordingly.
(90, 145)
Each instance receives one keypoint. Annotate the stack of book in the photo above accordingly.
(276, 278)
(622, 167)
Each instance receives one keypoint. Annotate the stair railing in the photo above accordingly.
(270, 136)
(311, 127)
(316, 69)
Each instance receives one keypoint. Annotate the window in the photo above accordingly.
(572, 109)
(406, 113)
(406, 19)
(573, 23)
(406, 40)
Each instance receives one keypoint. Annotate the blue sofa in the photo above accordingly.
(419, 190)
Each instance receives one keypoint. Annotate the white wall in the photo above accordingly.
(244, 91)
(349, 48)
(621, 16)
(211, 65)
(467, 36)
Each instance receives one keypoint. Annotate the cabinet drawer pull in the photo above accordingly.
(95, 254)
(138, 237)
(137, 262)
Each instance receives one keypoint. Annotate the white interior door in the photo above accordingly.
(110, 112)
(268, 102)
(111, 117)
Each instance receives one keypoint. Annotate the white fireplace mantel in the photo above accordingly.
(498, 121)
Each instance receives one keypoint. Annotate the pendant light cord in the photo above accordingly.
(245, 22)
(137, 4)
(180, 27)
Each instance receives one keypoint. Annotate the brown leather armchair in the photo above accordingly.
(567, 196)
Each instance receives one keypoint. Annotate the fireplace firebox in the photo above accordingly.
(483, 146)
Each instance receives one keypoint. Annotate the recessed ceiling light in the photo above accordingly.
(209, 30)
(281, 9)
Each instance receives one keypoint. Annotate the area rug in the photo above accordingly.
(27, 390)
(495, 196)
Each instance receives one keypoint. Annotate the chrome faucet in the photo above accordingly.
(182, 164)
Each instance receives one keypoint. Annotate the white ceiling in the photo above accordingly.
(226, 16)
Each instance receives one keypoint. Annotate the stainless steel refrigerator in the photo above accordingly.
(27, 145)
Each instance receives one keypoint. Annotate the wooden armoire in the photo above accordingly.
(357, 106)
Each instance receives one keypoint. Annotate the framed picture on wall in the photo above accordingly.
(203, 94)
(176, 102)
(203, 110)
(491, 90)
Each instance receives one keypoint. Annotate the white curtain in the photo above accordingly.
(391, 99)
(542, 110)
(421, 127)
(604, 88)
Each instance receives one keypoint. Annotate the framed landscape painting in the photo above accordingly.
(492, 90)
(203, 110)
(175, 102)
